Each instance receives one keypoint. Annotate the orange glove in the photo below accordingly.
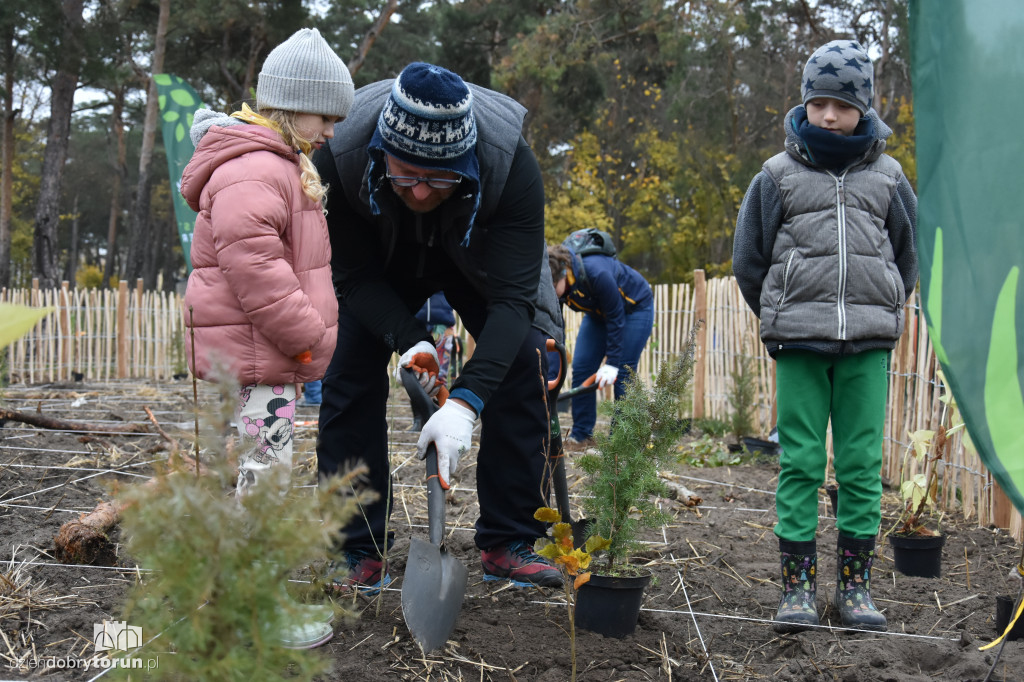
(422, 359)
(304, 358)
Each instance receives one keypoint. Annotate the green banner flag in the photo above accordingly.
(968, 64)
(178, 103)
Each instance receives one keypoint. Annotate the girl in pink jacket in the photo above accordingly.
(260, 298)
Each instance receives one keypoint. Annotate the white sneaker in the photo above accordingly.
(305, 635)
(319, 613)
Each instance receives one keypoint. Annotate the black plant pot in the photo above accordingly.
(918, 555)
(610, 605)
(1004, 613)
(757, 446)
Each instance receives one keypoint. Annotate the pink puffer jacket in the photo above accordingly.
(260, 291)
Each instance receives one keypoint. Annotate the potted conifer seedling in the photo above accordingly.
(621, 478)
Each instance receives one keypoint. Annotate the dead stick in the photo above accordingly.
(195, 388)
(45, 422)
(163, 434)
(84, 540)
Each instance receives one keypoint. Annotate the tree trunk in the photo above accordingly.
(72, 265)
(45, 248)
(140, 227)
(117, 125)
(7, 185)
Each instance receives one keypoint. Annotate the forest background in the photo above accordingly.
(648, 117)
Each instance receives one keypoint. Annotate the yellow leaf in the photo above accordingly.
(921, 440)
(596, 543)
(547, 515)
(561, 531)
(549, 551)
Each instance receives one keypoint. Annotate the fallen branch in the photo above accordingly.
(680, 493)
(44, 422)
(84, 540)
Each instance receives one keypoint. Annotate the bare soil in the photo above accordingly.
(705, 615)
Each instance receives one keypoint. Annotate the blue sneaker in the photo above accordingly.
(364, 573)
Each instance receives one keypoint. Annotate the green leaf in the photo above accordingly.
(1004, 405)
(18, 320)
(183, 97)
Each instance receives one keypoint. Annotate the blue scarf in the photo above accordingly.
(829, 150)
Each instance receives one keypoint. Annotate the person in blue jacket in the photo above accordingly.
(438, 318)
(618, 314)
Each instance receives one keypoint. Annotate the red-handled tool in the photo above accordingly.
(557, 458)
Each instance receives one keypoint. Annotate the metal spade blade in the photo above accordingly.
(435, 582)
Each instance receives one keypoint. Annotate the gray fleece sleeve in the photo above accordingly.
(756, 227)
(901, 224)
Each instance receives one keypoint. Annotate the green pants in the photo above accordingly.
(852, 390)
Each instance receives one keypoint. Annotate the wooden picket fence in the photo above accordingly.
(103, 334)
(98, 335)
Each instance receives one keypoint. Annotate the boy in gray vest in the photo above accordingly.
(824, 255)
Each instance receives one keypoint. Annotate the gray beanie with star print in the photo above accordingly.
(840, 69)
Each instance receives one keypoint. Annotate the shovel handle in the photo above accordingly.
(589, 385)
(556, 384)
(435, 493)
(561, 488)
(435, 498)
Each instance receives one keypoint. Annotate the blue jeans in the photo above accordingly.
(591, 343)
(312, 392)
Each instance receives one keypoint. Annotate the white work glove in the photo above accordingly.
(422, 359)
(607, 375)
(451, 430)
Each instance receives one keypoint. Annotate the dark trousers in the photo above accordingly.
(513, 439)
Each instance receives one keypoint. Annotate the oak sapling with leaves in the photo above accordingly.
(920, 490)
(571, 561)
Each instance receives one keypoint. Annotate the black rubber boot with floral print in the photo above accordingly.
(799, 586)
(853, 585)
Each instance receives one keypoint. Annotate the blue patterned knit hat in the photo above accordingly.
(428, 121)
(842, 70)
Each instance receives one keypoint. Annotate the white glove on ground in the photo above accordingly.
(424, 356)
(606, 375)
(451, 430)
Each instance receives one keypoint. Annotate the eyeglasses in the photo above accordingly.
(433, 183)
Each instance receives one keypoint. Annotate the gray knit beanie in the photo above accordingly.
(304, 74)
(841, 70)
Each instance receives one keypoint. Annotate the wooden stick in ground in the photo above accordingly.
(44, 422)
(84, 540)
(195, 380)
